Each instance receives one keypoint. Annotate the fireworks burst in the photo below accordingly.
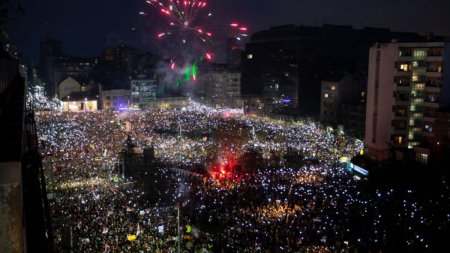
(238, 31)
(183, 16)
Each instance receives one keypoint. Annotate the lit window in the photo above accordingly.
(411, 135)
(404, 67)
(326, 95)
(419, 86)
(333, 87)
(398, 139)
(422, 158)
(250, 56)
(419, 53)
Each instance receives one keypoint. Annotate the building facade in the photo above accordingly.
(68, 86)
(80, 102)
(116, 99)
(407, 85)
(343, 101)
(78, 68)
(221, 87)
(301, 56)
(143, 91)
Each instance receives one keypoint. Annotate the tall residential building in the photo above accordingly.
(407, 84)
(143, 91)
(301, 56)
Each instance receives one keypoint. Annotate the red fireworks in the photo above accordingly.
(183, 16)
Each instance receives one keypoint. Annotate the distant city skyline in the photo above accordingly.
(87, 27)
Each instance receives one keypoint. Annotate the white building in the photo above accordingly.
(68, 86)
(407, 84)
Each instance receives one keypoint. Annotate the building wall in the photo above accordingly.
(116, 99)
(80, 106)
(221, 88)
(329, 103)
(380, 101)
(11, 204)
(68, 86)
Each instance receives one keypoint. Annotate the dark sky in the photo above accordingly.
(87, 26)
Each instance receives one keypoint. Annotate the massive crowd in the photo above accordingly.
(316, 206)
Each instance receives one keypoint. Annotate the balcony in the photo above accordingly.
(433, 83)
(417, 124)
(433, 89)
(402, 73)
(434, 104)
(434, 57)
(399, 131)
(400, 116)
(402, 86)
(417, 95)
(434, 74)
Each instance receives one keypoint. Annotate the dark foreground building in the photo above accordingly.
(289, 62)
(24, 217)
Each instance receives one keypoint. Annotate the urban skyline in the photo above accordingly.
(87, 27)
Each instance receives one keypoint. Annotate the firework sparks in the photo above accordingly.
(183, 16)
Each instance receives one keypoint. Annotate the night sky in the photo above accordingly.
(87, 26)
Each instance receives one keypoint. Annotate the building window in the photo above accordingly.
(325, 95)
(404, 67)
(420, 54)
(250, 56)
(398, 139)
(333, 87)
(108, 97)
(419, 86)
(422, 158)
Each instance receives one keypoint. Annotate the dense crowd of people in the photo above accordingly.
(315, 206)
